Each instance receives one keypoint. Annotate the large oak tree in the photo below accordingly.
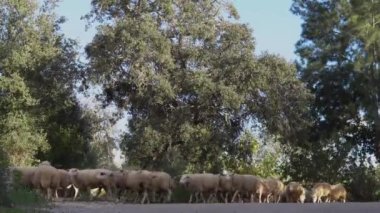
(186, 73)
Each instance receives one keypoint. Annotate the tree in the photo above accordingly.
(39, 70)
(185, 72)
(19, 132)
(340, 65)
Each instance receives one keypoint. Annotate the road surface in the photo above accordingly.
(107, 207)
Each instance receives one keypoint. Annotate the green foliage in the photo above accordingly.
(339, 64)
(40, 117)
(19, 134)
(26, 198)
(187, 76)
(364, 183)
(265, 158)
(4, 198)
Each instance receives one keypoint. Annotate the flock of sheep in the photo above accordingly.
(145, 184)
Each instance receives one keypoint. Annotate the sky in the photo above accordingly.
(275, 28)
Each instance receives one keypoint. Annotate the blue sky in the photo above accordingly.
(275, 28)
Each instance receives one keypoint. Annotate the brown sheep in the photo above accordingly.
(294, 193)
(319, 191)
(338, 193)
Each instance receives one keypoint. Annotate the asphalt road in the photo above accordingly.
(106, 207)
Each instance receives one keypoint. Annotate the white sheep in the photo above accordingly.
(198, 184)
(247, 184)
(46, 178)
(87, 179)
(163, 183)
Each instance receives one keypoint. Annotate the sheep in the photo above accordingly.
(266, 194)
(91, 178)
(338, 193)
(161, 182)
(308, 196)
(275, 187)
(248, 184)
(26, 175)
(294, 192)
(200, 184)
(138, 181)
(319, 191)
(46, 177)
(225, 186)
(118, 183)
(64, 182)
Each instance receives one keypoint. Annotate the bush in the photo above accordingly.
(365, 184)
(180, 195)
(12, 194)
(4, 177)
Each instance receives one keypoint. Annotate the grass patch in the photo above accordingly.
(25, 200)
(26, 197)
(11, 210)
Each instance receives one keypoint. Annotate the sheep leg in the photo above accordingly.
(76, 190)
(123, 196)
(267, 199)
(49, 194)
(145, 197)
(203, 197)
(196, 197)
(222, 197)
(97, 193)
(118, 193)
(109, 193)
(191, 197)
(252, 197)
(211, 196)
(260, 195)
(226, 198)
(234, 196)
(278, 198)
(153, 196)
(169, 196)
(137, 197)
